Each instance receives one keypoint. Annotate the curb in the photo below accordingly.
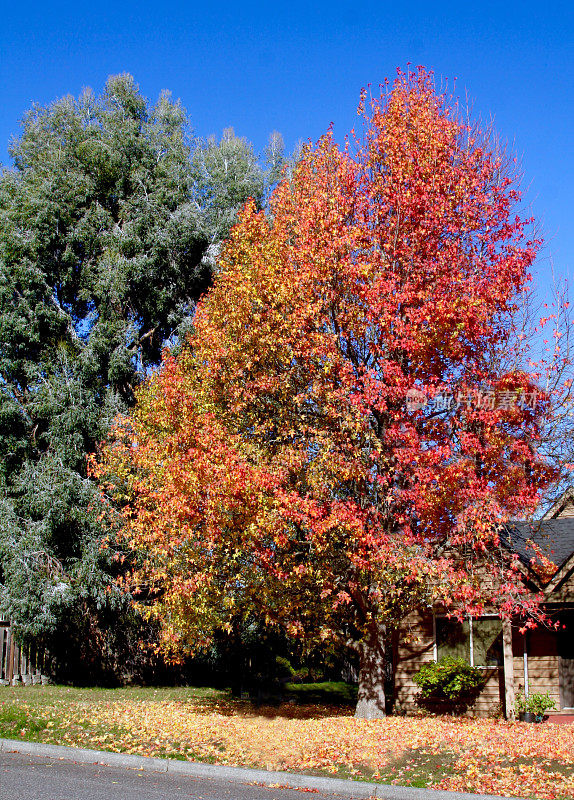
(195, 769)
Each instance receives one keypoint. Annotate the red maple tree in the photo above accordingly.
(337, 443)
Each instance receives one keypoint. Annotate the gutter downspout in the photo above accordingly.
(526, 684)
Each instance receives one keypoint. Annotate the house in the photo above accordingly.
(540, 660)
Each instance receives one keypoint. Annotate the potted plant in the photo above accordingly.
(533, 707)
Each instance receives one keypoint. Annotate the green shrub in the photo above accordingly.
(283, 669)
(327, 692)
(450, 680)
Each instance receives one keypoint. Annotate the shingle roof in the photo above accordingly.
(554, 537)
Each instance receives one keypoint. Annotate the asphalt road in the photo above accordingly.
(36, 771)
(24, 777)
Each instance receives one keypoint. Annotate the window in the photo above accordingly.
(478, 641)
(487, 642)
(452, 638)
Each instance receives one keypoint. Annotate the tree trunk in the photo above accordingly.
(371, 701)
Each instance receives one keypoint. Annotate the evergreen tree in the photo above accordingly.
(106, 222)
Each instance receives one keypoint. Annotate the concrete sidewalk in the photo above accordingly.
(329, 786)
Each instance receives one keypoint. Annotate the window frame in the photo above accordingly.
(470, 619)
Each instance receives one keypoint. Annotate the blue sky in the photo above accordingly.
(296, 67)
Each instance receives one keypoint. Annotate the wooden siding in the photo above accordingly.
(415, 647)
(561, 588)
(566, 510)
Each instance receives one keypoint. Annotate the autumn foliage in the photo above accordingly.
(279, 465)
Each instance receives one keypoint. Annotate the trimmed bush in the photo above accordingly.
(450, 683)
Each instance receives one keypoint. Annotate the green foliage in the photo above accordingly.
(449, 679)
(537, 703)
(106, 223)
(283, 667)
(227, 174)
(328, 692)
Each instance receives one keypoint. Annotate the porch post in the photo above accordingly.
(526, 681)
(508, 669)
(10, 651)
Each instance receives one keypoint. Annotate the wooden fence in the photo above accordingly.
(19, 665)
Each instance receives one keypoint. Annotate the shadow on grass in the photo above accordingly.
(272, 710)
(50, 702)
(298, 701)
